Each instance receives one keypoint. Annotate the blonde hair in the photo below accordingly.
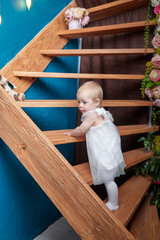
(94, 89)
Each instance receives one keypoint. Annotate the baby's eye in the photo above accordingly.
(84, 102)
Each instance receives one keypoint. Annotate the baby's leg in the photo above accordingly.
(112, 191)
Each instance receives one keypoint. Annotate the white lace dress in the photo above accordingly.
(104, 149)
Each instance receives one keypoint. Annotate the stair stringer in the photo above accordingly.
(83, 209)
(47, 38)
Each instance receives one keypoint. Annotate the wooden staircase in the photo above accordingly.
(67, 186)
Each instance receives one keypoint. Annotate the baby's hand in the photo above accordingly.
(67, 133)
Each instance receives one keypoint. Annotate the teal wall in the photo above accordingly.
(25, 210)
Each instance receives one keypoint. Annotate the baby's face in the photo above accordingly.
(85, 102)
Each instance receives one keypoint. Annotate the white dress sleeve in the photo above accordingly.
(109, 115)
(104, 113)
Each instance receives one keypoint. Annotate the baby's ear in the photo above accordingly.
(97, 102)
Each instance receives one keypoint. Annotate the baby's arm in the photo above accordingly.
(84, 127)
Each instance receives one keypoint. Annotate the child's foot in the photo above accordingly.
(111, 206)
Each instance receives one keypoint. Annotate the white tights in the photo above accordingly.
(112, 191)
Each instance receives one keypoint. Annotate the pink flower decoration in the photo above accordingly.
(69, 14)
(156, 41)
(157, 182)
(157, 103)
(157, 9)
(154, 75)
(156, 92)
(154, 3)
(78, 16)
(149, 92)
(156, 61)
(85, 20)
(78, 13)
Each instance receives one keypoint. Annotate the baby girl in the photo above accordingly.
(102, 139)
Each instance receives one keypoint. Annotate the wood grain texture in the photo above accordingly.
(73, 103)
(145, 223)
(108, 29)
(30, 59)
(96, 52)
(131, 158)
(131, 194)
(114, 8)
(82, 208)
(28, 75)
(58, 137)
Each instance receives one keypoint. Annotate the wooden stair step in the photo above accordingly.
(145, 223)
(131, 158)
(73, 103)
(131, 193)
(114, 8)
(76, 75)
(58, 137)
(95, 52)
(108, 29)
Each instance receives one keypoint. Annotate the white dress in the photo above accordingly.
(104, 149)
